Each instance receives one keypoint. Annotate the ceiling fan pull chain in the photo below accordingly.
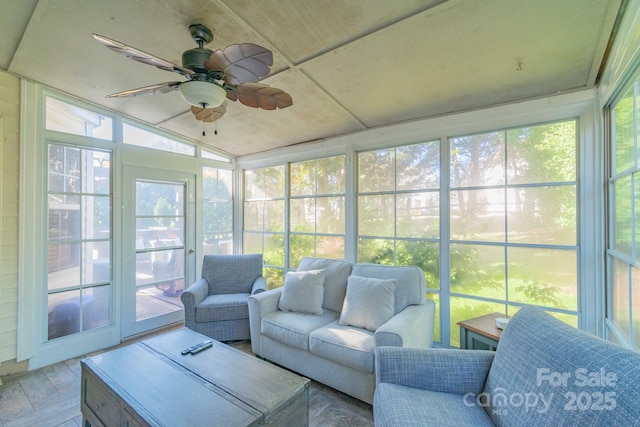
(203, 132)
(215, 128)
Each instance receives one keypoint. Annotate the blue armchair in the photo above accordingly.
(544, 372)
(217, 304)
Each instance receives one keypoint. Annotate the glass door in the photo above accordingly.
(159, 237)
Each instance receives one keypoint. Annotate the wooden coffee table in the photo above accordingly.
(151, 383)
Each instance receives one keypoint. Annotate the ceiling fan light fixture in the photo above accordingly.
(203, 94)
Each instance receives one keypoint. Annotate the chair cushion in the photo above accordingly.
(335, 283)
(230, 274)
(584, 379)
(369, 302)
(293, 328)
(349, 346)
(396, 405)
(223, 307)
(303, 292)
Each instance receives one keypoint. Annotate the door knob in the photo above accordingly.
(191, 251)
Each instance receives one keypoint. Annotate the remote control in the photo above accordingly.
(188, 350)
(204, 346)
(195, 347)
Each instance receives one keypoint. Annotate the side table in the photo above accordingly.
(480, 333)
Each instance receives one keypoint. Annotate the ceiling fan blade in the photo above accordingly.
(233, 96)
(258, 95)
(209, 114)
(157, 89)
(241, 63)
(140, 56)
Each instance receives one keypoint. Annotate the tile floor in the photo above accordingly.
(50, 397)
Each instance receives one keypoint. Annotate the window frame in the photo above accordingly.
(315, 196)
(630, 337)
(590, 177)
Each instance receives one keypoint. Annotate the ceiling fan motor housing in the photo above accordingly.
(193, 59)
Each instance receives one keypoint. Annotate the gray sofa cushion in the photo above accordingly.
(369, 302)
(303, 292)
(411, 287)
(335, 283)
(292, 328)
(349, 346)
(396, 405)
(223, 307)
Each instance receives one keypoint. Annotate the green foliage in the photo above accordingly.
(541, 294)
(376, 251)
(474, 274)
(274, 277)
(425, 255)
(274, 249)
(545, 153)
(624, 137)
(217, 210)
(300, 245)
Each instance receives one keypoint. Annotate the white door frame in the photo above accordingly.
(129, 325)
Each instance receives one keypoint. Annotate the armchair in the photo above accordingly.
(544, 372)
(216, 304)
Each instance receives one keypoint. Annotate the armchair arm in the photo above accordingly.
(412, 327)
(260, 305)
(259, 285)
(191, 297)
(443, 370)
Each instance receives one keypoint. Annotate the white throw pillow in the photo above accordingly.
(303, 291)
(369, 302)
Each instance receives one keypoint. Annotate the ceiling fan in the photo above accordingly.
(212, 76)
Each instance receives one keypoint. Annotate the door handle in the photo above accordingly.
(191, 251)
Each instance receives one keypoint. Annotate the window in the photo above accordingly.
(64, 117)
(79, 239)
(399, 204)
(316, 209)
(213, 156)
(398, 207)
(136, 136)
(510, 235)
(217, 211)
(513, 222)
(264, 219)
(623, 254)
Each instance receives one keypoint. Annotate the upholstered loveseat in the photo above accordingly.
(544, 372)
(330, 315)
